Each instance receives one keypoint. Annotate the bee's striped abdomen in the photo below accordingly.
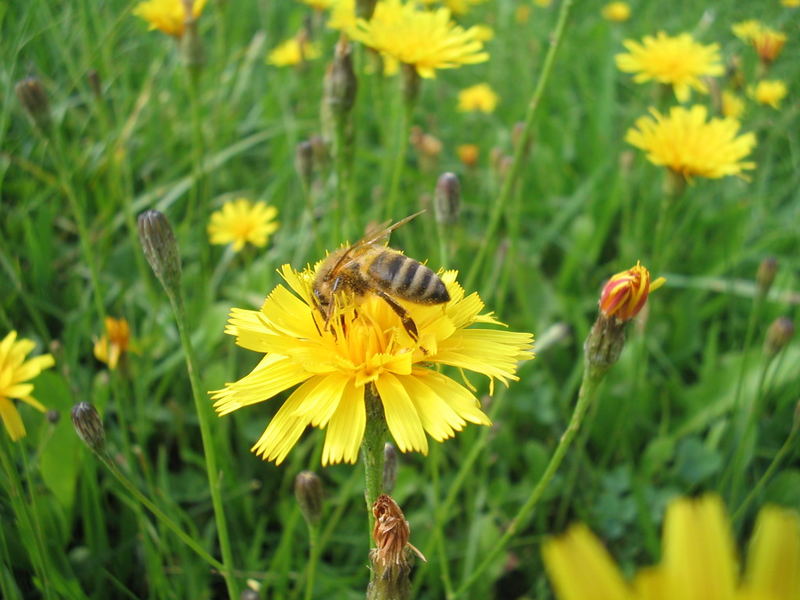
(407, 279)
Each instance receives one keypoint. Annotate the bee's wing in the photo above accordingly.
(374, 235)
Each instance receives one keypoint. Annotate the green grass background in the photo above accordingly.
(586, 207)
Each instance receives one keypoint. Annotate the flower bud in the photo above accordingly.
(95, 83)
(304, 162)
(447, 199)
(468, 154)
(391, 533)
(308, 491)
(604, 344)
(389, 467)
(52, 416)
(34, 100)
(766, 274)
(340, 84)
(89, 426)
(625, 294)
(779, 335)
(160, 249)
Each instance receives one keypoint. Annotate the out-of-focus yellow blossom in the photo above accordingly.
(319, 4)
(626, 292)
(732, 104)
(343, 16)
(522, 13)
(468, 154)
(15, 371)
(768, 42)
(478, 98)
(543, 3)
(677, 61)
(616, 11)
(790, 3)
(769, 91)
(113, 344)
(747, 30)
(292, 52)
(364, 346)
(425, 40)
(698, 559)
(168, 16)
(689, 146)
(241, 222)
(483, 33)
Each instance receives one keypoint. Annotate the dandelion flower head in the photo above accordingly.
(732, 105)
(168, 16)
(364, 347)
(626, 292)
(698, 559)
(769, 91)
(425, 40)
(678, 61)
(241, 222)
(616, 11)
(343, 16)
(478, 98)
(114, 343)
(688, 145)
(293, 51)
(15, 372)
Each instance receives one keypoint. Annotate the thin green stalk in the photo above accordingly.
(403, 132)
(209, 450)
(586, 396)
(372, 451)
(313, 559)
(510, 181)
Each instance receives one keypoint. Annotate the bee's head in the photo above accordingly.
(323, 298)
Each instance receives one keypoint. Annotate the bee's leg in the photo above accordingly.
(408, 322)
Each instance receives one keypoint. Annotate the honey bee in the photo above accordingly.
(369, 266)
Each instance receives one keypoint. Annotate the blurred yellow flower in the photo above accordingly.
(292, 52)
(426, 40)
(616, 11)
(484, 33)
(241, 222)
(732, 105)
(365, 345)
(113, 344)
(522, 13)
(790, 3)
(468, 154)
(168, 16)
(698, 559)
(769, 91)
(689, 146)
(14, 372)
(343, 16)
(480, 97)
(747, 30)
(319, 4)
(767, 42)
(677, 61)
(626, 292)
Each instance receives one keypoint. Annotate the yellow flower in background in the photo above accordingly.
(319, 4)
(698, 559)
(484, 33)
(747, 30)
(732, 105)
(292, 52)
(343, 16)
(522, 14)
(15, 371)
(626, 292)
(689, 146)
(241, 222)
(616, 11)
(480, 97)
(677, 61)
(768, 44)
(168, 16)
(425, 40)
(364, 344)
(468, 154)
(790, 3)
(113, 344)
(769, 91)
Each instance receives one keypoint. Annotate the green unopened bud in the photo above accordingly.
(779, 335)
(411, 84)
(340, 84)
(161, 249)
(52, 416)
(308, 491)
(389, 467)
(89, 426)
(304, 162)
(604, 344)
(33, 98)
(447, 199)
(93, 77)
(765, 275)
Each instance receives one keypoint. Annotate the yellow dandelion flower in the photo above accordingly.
(626, 292)
(616, 11)
(689, 146)
(15, 371)
(790, 3)
(292, 52)
(768, 44)
(425, 40)
(732, 105)
(365, 344)
(468, 154)
(478, 98)
(483, 33)
(114, 343)
(769, 91)
(319, 4)
(699, 559)
(168, 16)
(343, 16)
(240, 222)
(677, 61)
(747, 30)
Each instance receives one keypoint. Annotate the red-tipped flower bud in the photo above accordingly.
(625, 293)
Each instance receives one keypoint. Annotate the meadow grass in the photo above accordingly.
(693, 405)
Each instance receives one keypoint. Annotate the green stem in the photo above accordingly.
(313, 559)
(209, 449)
(586, 395)
(556, 38)
(372, 451)
(403, 132)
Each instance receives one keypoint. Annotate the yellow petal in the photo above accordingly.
(773, 563)
(346, 427)
(401, 416)
(11, 419)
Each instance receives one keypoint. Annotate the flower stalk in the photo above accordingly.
(372, 450)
